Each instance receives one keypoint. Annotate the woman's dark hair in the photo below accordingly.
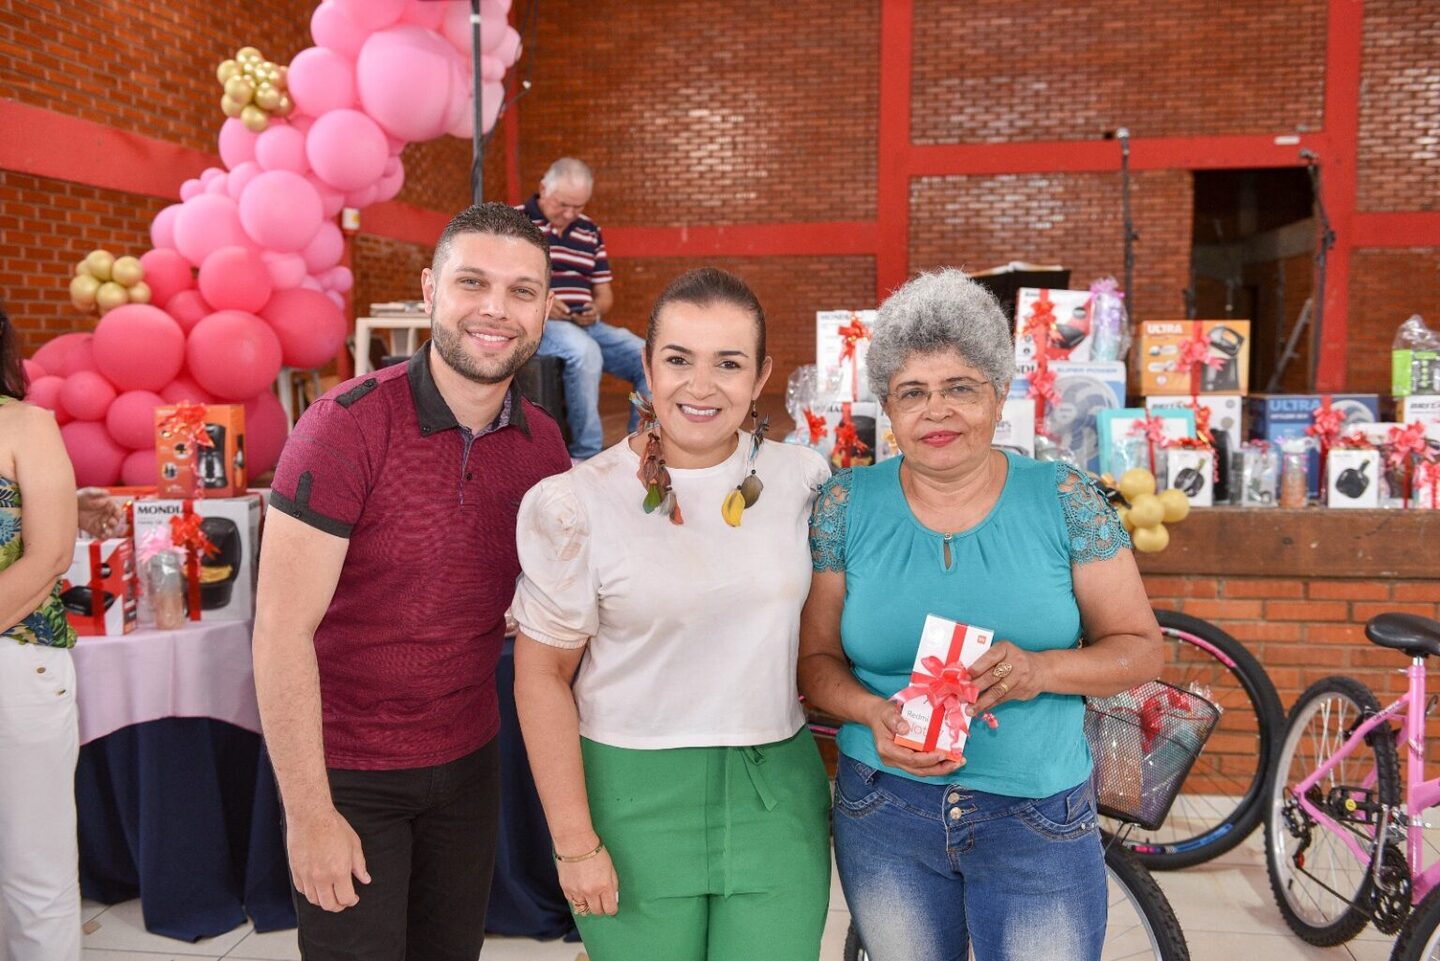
(12, 372)
(705, 287)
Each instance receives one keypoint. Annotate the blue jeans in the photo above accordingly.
(587, 352)
(930, 868)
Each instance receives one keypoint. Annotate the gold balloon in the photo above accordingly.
(1136, 481)
(267, 97)
(1146, 511)
(127, 271)
(139, 293)
(99, 263)
(109, 296)
(239, 89)
(80, 268)
(254, 119)
(226, 70)
(285, 106)
(1151, 540)
(245, 54)
(82, 291)
(1177, 505)
(230, 107)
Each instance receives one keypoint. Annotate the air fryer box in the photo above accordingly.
(1071, 335)
(1354, 479)
(227, 578)
(98, 590)
(865, 415)
(1281, 417)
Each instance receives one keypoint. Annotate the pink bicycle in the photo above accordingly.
(1343, 847)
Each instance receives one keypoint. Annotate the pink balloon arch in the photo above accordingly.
(245, 274)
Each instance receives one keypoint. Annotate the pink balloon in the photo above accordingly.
(188, 308)
(30, 371)
(240, 178)
(372, 14)
(205, 224)
(162, 228)
(339, 279)
(494, 95)
(282, 147)
(462, 117)
(139, 347)
(332, 27)
(285, 270)
(426, 14)
(310, 283)
(395, 144)
(346, 149)
(325, 249)
(493, 24)
(167, 273)
(234, 278)
(97, 458)
(332, 201)
(86, 395)
(183, 388)
(404, 77)
(321, 80)
(456, 27)
(491, 68)
(51, 354)
(209, 174)
(191, 188)
(281, 211)
(217, 186)
(131, 419)
(266, 428)
(302, 122)
(139, 468)
(233, 354)
(364, 197)
(79, 357)
(45, 392)
(335, 298)
(310, 327)
(237, 143)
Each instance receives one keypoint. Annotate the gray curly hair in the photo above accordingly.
(935, 312)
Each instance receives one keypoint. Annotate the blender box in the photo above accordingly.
(1157, 357)
(1071, 334)
(217, 470)
(1280, 417)
(99, 590)
(227, 577)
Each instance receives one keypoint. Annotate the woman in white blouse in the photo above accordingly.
(676, 768)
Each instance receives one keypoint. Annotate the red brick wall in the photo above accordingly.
(989, 71)
(1387, 286)
(1070, 219)
(1399, 162)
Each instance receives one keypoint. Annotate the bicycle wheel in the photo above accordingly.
(1140, 923)
(1419, 938)
(1222, 799)
(1323, 889)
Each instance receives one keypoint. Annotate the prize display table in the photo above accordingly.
(177, 801)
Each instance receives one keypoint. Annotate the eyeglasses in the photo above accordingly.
(960, 394)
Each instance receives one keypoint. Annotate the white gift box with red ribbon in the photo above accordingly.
(937, 704)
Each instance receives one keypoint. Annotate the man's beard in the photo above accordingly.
(449, 342)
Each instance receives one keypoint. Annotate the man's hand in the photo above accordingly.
(100, 515)
(559, 310)
(586, 317)
(324, 853)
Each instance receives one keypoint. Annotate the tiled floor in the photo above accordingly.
(1225, 908)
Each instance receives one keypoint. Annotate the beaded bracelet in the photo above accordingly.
(579, 857)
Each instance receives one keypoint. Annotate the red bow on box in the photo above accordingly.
(816, 423)
(187, 425)
(948, 687)
(850, 336)
(1042, 380)
(1404, 446)
(1153, 428)
(185, 531)
(1326, 428)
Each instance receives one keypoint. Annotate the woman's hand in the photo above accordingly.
(1006, 673)
(591, 886)
(885, 722)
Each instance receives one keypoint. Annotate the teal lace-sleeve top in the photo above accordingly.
(1011, 572)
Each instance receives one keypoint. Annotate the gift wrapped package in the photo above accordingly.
(1083, 389)
(1071, 332)
(1280, 417)
(842, 339)
(1160, 369)
(222, 535)
(200, 450)
(937, 702)
(98, 590)
(1352, 478)
(1192, 472)
(1226, 413)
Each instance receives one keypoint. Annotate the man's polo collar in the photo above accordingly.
(435, 415)
(533, 211)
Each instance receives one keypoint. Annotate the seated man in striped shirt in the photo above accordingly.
(581, 281)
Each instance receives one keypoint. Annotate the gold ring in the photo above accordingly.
(1003, 669)
(1006, 687)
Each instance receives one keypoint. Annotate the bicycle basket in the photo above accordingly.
(1143, 742)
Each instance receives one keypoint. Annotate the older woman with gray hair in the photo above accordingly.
(999, 850)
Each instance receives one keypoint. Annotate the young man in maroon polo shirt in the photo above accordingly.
(388, 564)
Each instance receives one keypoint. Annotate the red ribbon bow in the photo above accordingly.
(816, 423)
(1326, 428)
(850, 336)
(1153, 428)
(1427, 474)
(847, 440)
(948, 687)
(187, 424)
(185, 531)
(1404, 446)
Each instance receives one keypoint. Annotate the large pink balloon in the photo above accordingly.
(332, 201)
(233, 278)
(321, 80)
(167, 273)
(45, 392)
(139, 468)
(332, 27)
(131, 419)
(188, 308)
(162, 228)
(325, 250)
(182, 388)
(96, 457)
(311, 328)
(281, 211)
(372, 14)
(282, 147)
(80, 357)
(405, 79)
(233, 355)
(285, 270)
(240, 178)
(86, 395)
(139, 347)
(51, 354)
(205, 224)
(237, 143)
(507, 51)
(347, 149)
(266, 428)
(427, 14)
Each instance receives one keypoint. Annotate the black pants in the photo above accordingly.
(428, 835)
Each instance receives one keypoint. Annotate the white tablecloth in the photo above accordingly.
(202, 670)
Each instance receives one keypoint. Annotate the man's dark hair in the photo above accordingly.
(704, 287)
(498, 220)
(12, 372)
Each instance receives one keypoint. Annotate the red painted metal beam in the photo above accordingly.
(1396, 230)
(1099, 156)
(837, 238)
(892, 170)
